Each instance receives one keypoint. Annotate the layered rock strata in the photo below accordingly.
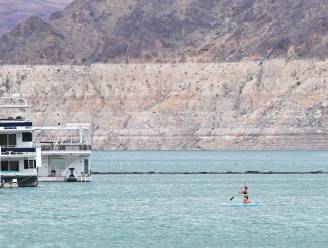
(275, 104)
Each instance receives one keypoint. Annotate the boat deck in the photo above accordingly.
(60, 179)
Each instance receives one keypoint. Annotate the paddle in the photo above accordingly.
(234, 196)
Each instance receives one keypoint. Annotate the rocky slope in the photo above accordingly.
(15, 11)
(170, 31)
(275, 104)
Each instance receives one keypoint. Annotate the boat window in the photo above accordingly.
(9, 165)
(12, 139)
(25, 164)
(86, 166)
(57, 163)
(8, 140)
(3, 140)
(27, 137)
(4, 166)
(29, 164)
(14, 165)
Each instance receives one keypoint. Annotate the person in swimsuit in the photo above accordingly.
(244, 194)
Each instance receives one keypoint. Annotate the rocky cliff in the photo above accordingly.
(169, 31)
(270, 105)
(14, 11)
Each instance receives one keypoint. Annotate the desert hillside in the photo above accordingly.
(13, 12)
(132, 31)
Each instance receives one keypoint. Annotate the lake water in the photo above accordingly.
(210, 161)
(174, 210)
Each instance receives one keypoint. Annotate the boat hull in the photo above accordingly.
(23, 181)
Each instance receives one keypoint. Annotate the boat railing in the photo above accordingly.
(17, 154)
(11, 118)
(16, 146)
(9, 146)
(50, 146)
(14, 108)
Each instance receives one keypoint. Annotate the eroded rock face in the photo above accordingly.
(275, 104)
(13, 12)
(170, 31)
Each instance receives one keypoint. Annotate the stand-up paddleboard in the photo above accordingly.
(254, 204)
(244, 193)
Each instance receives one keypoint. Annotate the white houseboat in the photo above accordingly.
(66, 150)
(31, 154)
(19, 155)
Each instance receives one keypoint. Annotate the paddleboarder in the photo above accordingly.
(244, 194)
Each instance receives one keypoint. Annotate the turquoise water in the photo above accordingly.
(173, 210)
(210, 161)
